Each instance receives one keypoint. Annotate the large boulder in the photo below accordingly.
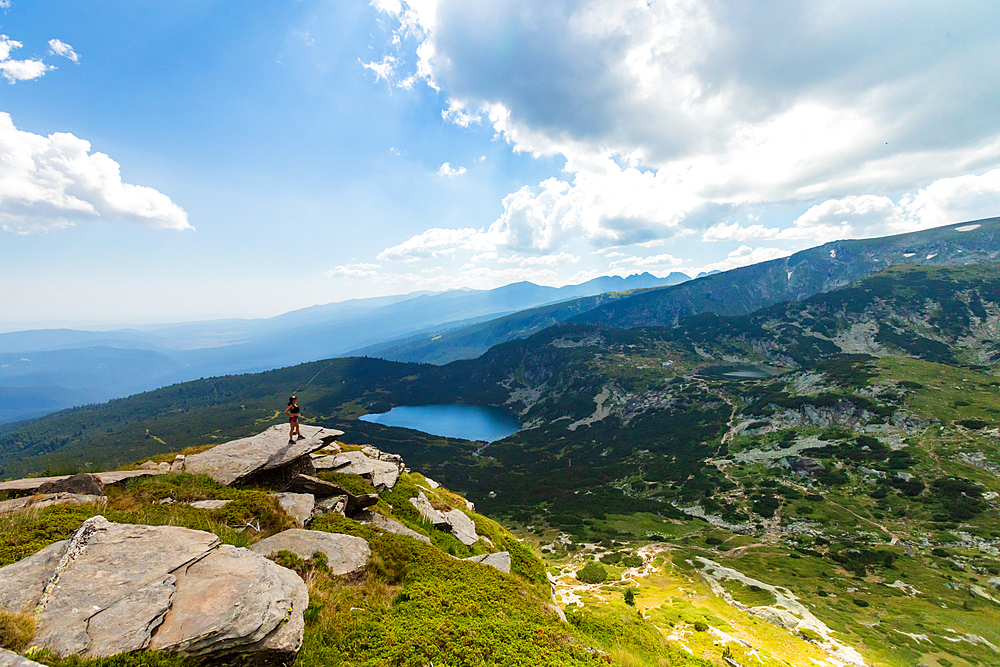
(115, 588)
(80, 484)
(345, 554)
(236, 460)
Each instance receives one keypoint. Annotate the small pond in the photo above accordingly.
(469, 422)
(737, 372)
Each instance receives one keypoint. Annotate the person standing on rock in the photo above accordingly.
(293, 420)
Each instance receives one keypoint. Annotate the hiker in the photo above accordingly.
(293, 420)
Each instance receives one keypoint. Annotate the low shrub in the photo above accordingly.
(592, 573)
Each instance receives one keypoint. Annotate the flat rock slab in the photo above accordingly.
(114, 588)
(382, 474)
(234, 460)
(499, 560)
(389, 525)
(345, 554)
(210, 504)
(32, 483)
(299, 506)
(11, 659)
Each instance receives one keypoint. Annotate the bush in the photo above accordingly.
(630, 597)
(701, 626)
(632, 561)
(859, 602)
(592, 573)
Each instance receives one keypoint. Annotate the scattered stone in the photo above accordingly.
(323, 489)
(38, 501)
(80, 483)
(499, 560)
(422, 505)
(389, 525)
(210, 504)
(238, 459)
(462, 527)
(382, 474)
(32, 483)
(905, 476)
(345, 554)
(11, 659)
(456, 522)
(299, 506)
(335, 504)
(149, 465)
(116, 588)
(432, 483)
(178, 464)
(164, 466)
(165, 501)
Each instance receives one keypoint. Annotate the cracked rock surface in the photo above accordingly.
(115, 588)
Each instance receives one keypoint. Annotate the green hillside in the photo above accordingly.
(843, 450)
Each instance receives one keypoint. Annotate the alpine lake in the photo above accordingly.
(469, 422)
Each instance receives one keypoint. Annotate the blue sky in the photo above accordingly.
(176, 160)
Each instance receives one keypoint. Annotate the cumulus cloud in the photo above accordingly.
(693, 104)
(435, 243)
(742, 256)
(19, 70)
(649, 262)
(55, 181)
(61, 48)
(360, 270)
(447, 170)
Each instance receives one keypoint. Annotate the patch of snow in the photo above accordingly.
(967, 228)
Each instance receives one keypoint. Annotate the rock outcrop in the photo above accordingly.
(82, 484)
(454, 521)
(381, 469)
(322, 489)
(345, 554)
(299, 506)
(115, 588)
(271, 450)
(33, 483)
(39, 501)
(11, 659)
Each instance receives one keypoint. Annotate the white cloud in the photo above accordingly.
(447, 170)
(360, 270)
(957, 199)
(19, 70)
(742, 256)
(60, 48)
(436, 242)
(652, 261)
(692, 104)
(383, 69)
(55, 181)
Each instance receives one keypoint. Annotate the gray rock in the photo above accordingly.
(775, 616)
(11, 659)
(499, 560)
(210, 504)
(113, 477)
(335, 504)
(299, 506)
(224, 602)
(64, 499)
(121, 588)
(382, 474)
(329, 462)
(345, 554)
(806, 465)
(422, 505)
(178, 464)
(234, 460)
(389, 525)
(149, 465)
(80, 483)
(128, 624)
(323, 489)
(22, 583)
(462, 527)
(103, 563)
(14, 505)
(314, 486)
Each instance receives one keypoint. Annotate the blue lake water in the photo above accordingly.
(470, 422)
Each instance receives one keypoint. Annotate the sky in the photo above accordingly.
(177, 160)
